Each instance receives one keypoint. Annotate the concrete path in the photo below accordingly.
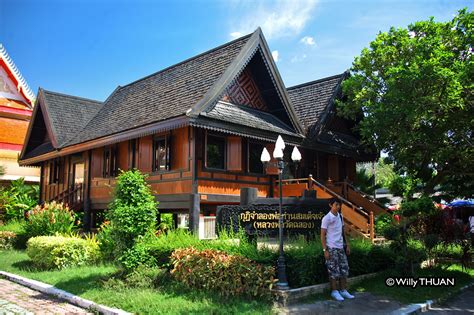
(461, 304)
(17, 299)
(363, 303)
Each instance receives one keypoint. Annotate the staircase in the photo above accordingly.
(72, 196)
(357, 207)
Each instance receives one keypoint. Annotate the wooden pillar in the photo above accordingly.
(41, 188)
(175, 221)
(86, 197)
(372, 226)
(194, 211)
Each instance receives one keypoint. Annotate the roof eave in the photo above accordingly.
(169, 124)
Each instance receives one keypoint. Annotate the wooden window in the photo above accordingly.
(161, 154)
(55, 169)
(110, 162)
(215, 152)
(254, 153)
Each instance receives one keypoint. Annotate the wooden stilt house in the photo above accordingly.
(197, 129)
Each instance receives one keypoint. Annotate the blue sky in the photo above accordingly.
(88, 47)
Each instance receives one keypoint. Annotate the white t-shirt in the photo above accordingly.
(333, 225)
(471, 223)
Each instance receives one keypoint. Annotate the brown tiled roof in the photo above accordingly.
(162, 95)
(312, 99)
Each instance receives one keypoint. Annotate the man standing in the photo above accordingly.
(332, 239)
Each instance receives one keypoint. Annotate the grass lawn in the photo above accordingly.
(88, 282)
(419, 294)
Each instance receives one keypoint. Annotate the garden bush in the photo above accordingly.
(132, 215)
(49, 219)
(304, 259)
(106, 241)
(60, 251)
(306, 264)
(161, 247)
(227, 275)
(16, 199)
(7, 239)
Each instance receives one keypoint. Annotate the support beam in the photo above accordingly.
(194, 211)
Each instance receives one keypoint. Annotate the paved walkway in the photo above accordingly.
(17, 299)
(461, 304)
(364, 303)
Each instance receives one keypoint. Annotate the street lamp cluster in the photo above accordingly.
(282, 283)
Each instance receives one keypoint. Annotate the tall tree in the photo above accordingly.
(413, 91)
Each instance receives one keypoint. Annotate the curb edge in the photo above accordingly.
(61, 294)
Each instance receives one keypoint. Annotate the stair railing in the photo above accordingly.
(359, 218)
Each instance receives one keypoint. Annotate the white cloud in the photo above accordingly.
(298, 58)
(275, 55)
(278, 19)
(235, 34)
(308, 40)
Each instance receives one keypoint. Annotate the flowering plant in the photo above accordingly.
(49, 219)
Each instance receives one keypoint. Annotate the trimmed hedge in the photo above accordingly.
(7, 239)
(60, 251)
(227, 275)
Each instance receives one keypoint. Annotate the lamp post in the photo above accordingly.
(282, 283)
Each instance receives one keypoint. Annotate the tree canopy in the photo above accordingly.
(412, 90)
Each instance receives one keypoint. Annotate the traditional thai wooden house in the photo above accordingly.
(16, 107)
(197, 129)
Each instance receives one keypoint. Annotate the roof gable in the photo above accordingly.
(61, 116)
(68, 114)
(12, 83)
(314, 100)
(255, 54)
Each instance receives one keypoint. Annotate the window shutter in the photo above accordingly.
(234, 153)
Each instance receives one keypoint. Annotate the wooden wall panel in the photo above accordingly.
(333, 167)
(180, 149)
(234, 153)
(218, 187)
(96, 162)
(177, 187)
(351, 169)
(122, 155)
(145, 154)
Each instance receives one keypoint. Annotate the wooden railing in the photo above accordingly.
(360, 221)
(360, 198)
(72, 196)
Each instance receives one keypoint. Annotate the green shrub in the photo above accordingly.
(61, 251)
(13, 226)
(382, 222)
(49, 219)
(227, 275)
(106, 241)
(7, 239)
(132, 216)
(162, 246)
(18, 198)
(306, 263)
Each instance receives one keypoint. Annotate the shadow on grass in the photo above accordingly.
(27, 265)
(81, 284)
